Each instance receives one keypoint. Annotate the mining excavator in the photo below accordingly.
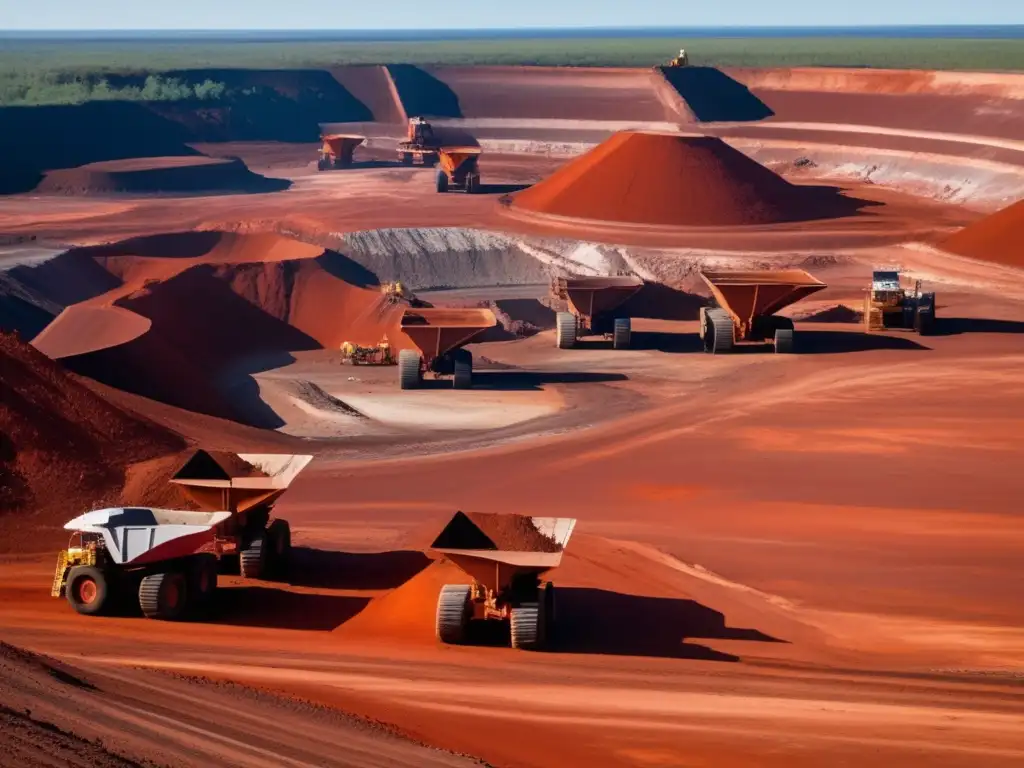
(889, 305)
(354, 354)
(420, 142)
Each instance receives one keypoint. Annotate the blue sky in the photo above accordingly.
(453, 14)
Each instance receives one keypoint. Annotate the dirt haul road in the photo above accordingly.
(779, 560)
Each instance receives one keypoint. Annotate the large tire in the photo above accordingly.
(405, 158)
(88, 590)
(453, 613)
(565, 330)
(463, 369)
(784, 341)
(924, 318)
(719, 339)
(525, 627)
(278, 541)
(442, 181)
(410, 374)
(621, 333)
(253, 560)
(323, 164)
(164, 596)
(473, 184)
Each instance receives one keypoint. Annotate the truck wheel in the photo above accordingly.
(473, 184)
(453, 613)
(406, 158)
(253, 559)
(278, 541)
(909, 313)
(721, 335)
(322, 164)
(784, 341)
(164, 595)
(409, 373)
(87, 590)
(621, 333)
(525, 627)
(463, 369)
(442, 181)
(565, 330)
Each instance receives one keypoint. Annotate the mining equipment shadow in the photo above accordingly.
(660, 341)
(599, 621)
(500, 189)
(954, 326)
(535, 381)
(270, 607)
(840, 342)
(353, 570)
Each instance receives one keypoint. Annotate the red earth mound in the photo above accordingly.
(189, 174)
(668, 180)
(207, 309)
(63, 448)
(995, 238)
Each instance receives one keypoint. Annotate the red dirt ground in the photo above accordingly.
(779, 560)
(64, 446)
(668, 180)
(998, 238)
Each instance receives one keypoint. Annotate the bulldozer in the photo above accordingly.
(354, 354)
(395, 292)
(682, 60)
(419, 142)
(889, 305)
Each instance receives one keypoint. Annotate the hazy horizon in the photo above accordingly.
(410, 15)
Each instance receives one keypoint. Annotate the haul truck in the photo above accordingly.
(745, 305)
(593, 305)
(506, 583)
(169, 559)
(459, 169)
(338, 150)
(889, 305)
(439, 335)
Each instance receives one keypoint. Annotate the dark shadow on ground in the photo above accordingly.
(253, 606)
(354, 570)
(836, 342)
(604, 622)
(422, 94)
(530, 311)
(954, 326)
(662, 302)
(713, 96)
(342, 267)
(500, 189)
(173, 245)
(674, 343)
(17, 314)
(515, 380)
(37, 139)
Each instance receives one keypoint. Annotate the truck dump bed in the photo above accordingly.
(459, 159)
(746, 294)
(495, 548)
(236, 482)
(590, 296)
(438, 330)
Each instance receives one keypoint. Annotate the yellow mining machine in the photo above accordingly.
(682, 60)
(888, 304)
(382, 354)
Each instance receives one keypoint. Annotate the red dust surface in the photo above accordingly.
(64, 448)
(997, 238)
(667, 180)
